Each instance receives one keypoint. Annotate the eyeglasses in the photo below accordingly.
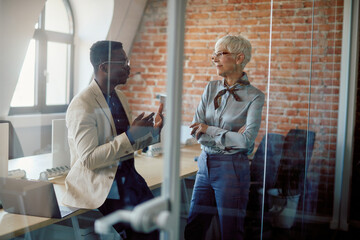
(123, 63)
(218, 55)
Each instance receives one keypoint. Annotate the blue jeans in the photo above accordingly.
(221, 188)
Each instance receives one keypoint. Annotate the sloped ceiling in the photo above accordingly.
(126, 20)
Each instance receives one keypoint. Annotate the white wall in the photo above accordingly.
(34, 132)
(92, 22)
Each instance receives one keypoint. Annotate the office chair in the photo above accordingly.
(256, 205)
(297, 151)
(273, 155)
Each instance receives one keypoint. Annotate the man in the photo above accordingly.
(102, 141)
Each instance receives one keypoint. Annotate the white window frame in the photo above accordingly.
(42, 37)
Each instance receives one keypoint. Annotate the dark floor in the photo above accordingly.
(301, 229)
(301, 232)
(317, 231)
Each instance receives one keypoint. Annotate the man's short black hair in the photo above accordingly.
(101, 52)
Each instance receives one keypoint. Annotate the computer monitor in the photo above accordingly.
(60, 147)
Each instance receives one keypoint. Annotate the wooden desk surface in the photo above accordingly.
(151, 168)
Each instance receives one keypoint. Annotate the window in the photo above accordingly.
(45, 80)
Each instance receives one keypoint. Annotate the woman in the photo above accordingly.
(226, 124)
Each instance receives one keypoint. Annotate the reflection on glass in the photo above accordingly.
(57, 73)
(56, 17)
(25, 88)
(295, 61)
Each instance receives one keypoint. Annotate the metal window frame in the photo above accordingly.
(346, 116)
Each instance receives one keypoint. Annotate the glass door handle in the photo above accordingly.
(145, 217)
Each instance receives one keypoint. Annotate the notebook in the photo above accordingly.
(34, 198)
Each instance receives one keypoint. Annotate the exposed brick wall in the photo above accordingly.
(294, 101)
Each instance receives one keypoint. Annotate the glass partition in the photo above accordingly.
(296, 53)
(283, 161)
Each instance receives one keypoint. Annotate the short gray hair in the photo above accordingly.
(236, 44)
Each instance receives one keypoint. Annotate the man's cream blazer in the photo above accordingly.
(95, 147)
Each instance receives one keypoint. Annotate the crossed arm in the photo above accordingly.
(214, 136)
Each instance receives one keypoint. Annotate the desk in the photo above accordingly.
(151, 168)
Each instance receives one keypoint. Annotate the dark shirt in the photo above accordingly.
(121, 124)
(117, 112)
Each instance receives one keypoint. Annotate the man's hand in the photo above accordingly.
(198, 129)
(144, 122)
(141, 126)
